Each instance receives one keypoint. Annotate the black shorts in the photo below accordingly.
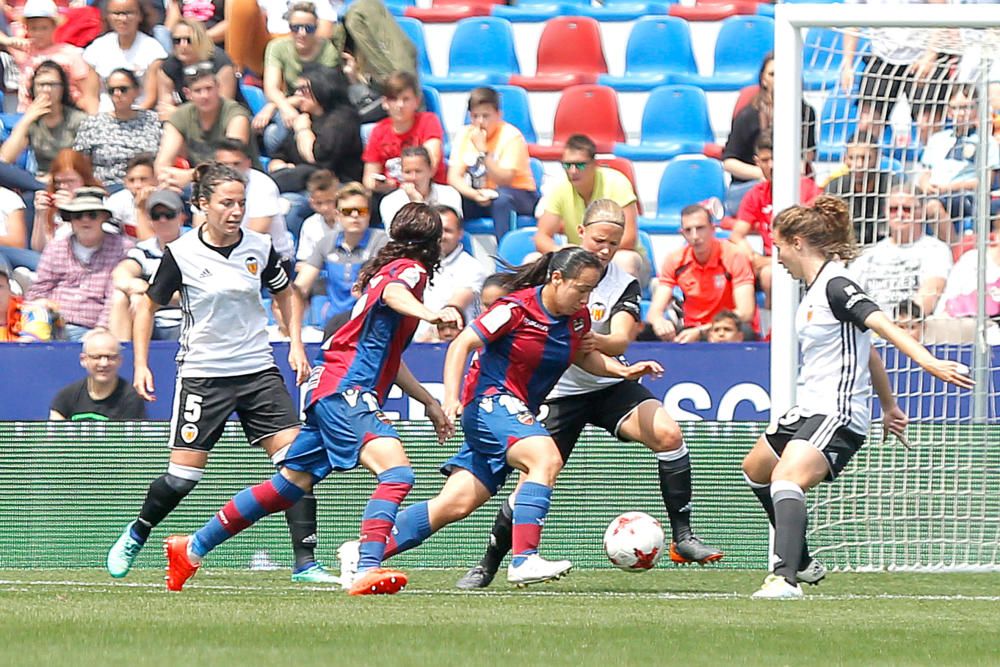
(564, 418)
(202, 406)
(837, 443)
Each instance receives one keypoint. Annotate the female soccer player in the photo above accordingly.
(526, 341)
(816, 439)
(224, 362)
(345, 425)
(624, 408)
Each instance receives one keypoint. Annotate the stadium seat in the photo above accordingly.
(625, 167)
(481, 54)
(319, 310)
(451, 11)
(837, 123)
(675, 121)
(658, 47)
(414, 29)
(822, 55)
(625, 10)
(538, 172)
(688, 179)
(432, 103)
(398, 7)
(254, 96)
(740, 47)
(713, 10)
(515, 109)
(517, 244)
(538, 11)
(745, 97)
(590, 110)
(569, 53)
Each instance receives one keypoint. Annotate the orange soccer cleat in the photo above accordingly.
(179, 566)
(693, 550)
(378, 581)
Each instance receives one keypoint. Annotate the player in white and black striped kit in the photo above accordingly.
(815, 440)
(225, 363)
(624, 409)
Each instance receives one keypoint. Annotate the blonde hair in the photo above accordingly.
(604, 210)
(203, 47)
(826, 225)
(352, 189)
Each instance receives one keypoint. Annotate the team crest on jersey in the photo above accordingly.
(252, 265)
(597, 311)
(720, 282)
(578, 325)
(525, 418)
(188, 433)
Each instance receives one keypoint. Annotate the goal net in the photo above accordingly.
(907, 105)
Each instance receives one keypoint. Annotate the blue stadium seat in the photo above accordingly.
(624, 10)
(319, 310)
(536, 11)
(516, 245)
(740, 47)
(516, 110)
(688, 179)
(254, 96)
(658, 48)
(481, 54)
(837, 123)
(675, 121)
(822, 55)
(432, 102)
(398, 7)
(414, 29)
(538, 172)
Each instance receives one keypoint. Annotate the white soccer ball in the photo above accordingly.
(634, 542)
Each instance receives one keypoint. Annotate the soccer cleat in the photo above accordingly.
(534, 570)
(378, 581)
(693, 550)
(123, 553)
(349, 553)
(179, 566)
(314, 574)
(811, 574)
(477, 577)
(776, 588)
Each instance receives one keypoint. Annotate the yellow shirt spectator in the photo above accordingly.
(567, 203)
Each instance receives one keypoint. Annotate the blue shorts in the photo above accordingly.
(492, 424)
(336, 428)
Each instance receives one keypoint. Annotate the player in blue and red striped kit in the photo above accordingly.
(526, 341)
(345, 425)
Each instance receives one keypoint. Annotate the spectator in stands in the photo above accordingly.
(713, 276)
(192, 45)
(417, 186)
(863, 185)
(140, 181)
(164, 213)
(197, 127)
(69, 172)
(342, 252)
(111, 139)
(14, 232)
(277, 15)
(756, 212)
(127, 45)
(748, 124)
(40, 18)
(283, 62)
(210, 13)
(75, 271)
(322, 187)
(490, 166)
(949, 164)
(457, 283)
(960, 297)
(327, 131)
(49, 124)
(907, 264)
(586, 182)
(909, 316)
(405, 126)
(494, 287)
(103, 395)
(726, 328)
(24, 321)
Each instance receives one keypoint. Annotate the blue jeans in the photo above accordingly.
(503, 209)
(274, 134)
(21, 257)
(735, 195)
(297, 214)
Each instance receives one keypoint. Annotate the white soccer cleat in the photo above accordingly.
(776, 588)
(811, 574)
(123, 553)
(349, 553)
(535, 569)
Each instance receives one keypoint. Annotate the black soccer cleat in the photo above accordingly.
(693, 550)
(477, 577)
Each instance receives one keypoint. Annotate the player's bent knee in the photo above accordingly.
(668, 438)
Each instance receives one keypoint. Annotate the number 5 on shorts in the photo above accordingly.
(192, 408)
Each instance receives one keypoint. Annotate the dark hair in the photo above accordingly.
(232, 145)
(307, 7)
(140, 160)
(124, 71)
(763, 101)
(568, 261)
(908, 308)
(52, 65)
(484, 95)
(498, 279)
(442, 209)
(321, 180)
(728, 315)
(399, 82)
(763, 143)
(146, 18)
(416, 235)
(208, 175)
(582, 143)
(695, 209)
(416, 151)
(329, 86)
(826, 225)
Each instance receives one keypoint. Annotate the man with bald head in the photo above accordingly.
(103, 395)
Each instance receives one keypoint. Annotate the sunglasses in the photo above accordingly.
(85, 215)
(180, 40)
(307, 28)
(579, 166)
(357, 212)
(157, 216)
(194, 70)
(119, 90)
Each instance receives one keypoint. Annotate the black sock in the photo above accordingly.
(789, 528)
(301, 519)
(165, 493)
(500, 538)
(675, 487)
(763, 493)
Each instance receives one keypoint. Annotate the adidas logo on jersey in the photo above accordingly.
(205, 273)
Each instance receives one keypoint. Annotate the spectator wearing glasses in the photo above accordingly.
(103, 395)
(418, 186)
(75, 271)
(192, 45)
(70, 171)
(283, 63)
(49, 124)
(128, 45)
(111, 139)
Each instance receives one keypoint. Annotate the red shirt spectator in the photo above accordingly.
(708, 288)
(385, 146)
(756, 207)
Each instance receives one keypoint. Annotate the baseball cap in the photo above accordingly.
(40, 9)
(165, 198)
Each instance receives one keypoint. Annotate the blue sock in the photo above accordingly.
(531, 505)
(380, 514)
(246, 508)
(413, 526)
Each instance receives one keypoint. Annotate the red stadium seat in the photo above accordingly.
(569, 53)
(624, 166)
(589, 110)
(746, 97)
(713, 10)
(450, 11)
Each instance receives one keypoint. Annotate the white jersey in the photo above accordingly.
(618, 291)
(223, 333)
(834, 346)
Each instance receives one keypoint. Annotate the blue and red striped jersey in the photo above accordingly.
(364, 354)
(527, 348)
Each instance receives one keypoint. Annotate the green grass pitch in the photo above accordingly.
(671, 616)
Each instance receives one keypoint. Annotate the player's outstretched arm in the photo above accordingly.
(400, 299)
(142, 332)
(599, 364)
(951, 372)
(454, 368)
(409, 384)
(894, 420)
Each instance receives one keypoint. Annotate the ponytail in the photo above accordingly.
(567, 261)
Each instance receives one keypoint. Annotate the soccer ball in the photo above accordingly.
(634, 542)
